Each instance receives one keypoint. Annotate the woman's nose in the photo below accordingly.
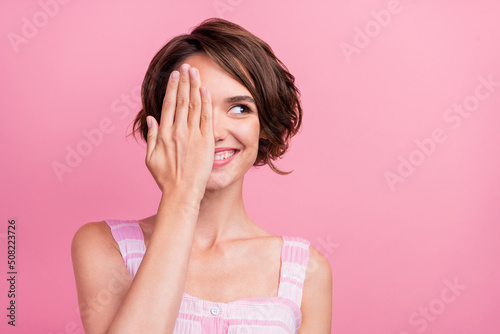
(219, 125)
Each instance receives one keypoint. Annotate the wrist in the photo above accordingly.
(182, 198)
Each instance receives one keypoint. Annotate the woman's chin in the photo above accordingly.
(220, 180)
(217, 181)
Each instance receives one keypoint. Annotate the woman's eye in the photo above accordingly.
(241, 109)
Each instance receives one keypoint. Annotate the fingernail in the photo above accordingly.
(148, 120)
(203, 91)
(192, 73)
(174, 76)
(184, 68)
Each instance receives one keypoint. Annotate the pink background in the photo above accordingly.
(394, 248)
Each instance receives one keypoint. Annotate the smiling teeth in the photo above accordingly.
(224, 156)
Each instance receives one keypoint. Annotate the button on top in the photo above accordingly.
(215, 310)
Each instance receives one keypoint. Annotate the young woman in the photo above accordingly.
(215, 103)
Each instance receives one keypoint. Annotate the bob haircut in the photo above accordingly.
(251, 62)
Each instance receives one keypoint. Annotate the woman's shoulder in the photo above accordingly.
(316, 301)
(93, 235)
(94, 229)
(318, 263)
(318, 287)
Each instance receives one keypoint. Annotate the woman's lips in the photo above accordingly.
(223, 162)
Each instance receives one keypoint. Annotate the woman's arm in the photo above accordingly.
(109, 301)
(180, 155)
(316, 304)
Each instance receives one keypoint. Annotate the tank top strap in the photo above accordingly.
(294, 261)
(128, 234)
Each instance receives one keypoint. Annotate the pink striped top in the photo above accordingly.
(277, 315)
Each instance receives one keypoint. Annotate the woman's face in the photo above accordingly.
(235, 122)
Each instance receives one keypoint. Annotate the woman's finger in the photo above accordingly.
(194, 99)
(152, 135)
(181, 110)
(169, 102)
(206, 114)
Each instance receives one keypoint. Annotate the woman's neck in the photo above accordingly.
(222, 217)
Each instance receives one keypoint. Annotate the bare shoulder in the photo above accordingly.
(318, 268)
(316, 304)
(98, 267)
(318, 279)
(93, 235)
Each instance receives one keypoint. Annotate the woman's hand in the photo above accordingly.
(180, 150)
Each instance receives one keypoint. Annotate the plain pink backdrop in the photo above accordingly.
(382, 83)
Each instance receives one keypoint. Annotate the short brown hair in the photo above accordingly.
(263, 74)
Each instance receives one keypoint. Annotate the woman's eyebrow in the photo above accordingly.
(240, 98)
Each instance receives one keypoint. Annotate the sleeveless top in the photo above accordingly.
(277, 315)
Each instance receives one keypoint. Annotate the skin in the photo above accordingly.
(222, 217)
(225, 256)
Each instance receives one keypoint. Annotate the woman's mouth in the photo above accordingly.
(222, 158)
